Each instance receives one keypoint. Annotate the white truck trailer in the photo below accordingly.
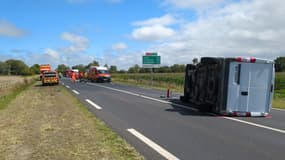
(231, 86)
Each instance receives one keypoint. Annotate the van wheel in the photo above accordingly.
(209, 60)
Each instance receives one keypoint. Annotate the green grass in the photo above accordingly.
(175, 82)
(16, 90)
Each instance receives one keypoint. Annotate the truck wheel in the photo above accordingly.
(209, 60)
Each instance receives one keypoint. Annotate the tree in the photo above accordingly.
(113, 69)
(94, 63)
(3, 68)
(35, 69)
(62, 68)
(176, 68)
(80, 67)
(163, 69)
(134, 69)
(17, 67)
(280, 64)
(106, 65)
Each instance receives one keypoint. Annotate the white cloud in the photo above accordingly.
(153, 33)
(78, 43)
(119, 46)
(246, 28)
(10, 30)
(164, 20)
(52, 54)
(194, 4)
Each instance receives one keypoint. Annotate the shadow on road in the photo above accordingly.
(191, 111)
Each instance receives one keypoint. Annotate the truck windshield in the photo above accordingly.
(103, 71)
(50, 74)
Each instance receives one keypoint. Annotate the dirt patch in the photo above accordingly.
(49, 123)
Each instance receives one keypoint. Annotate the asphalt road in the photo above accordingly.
(159, 129)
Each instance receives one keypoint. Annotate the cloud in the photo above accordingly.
(154, 29)
(119, 46)
(246, 28)
(152, 33)
(53, 54)
(78, 43)
(164, 21)
(194, 4)
(10, 30)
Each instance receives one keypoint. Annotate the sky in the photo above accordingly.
(119, 32)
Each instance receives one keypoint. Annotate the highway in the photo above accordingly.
(160, 129)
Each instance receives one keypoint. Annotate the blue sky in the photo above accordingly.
(118, 32)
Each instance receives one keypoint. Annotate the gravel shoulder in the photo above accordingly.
(49, 123)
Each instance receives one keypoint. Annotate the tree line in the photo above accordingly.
(18, 67)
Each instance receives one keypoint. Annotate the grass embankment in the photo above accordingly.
(279, 92)
(175, 82)
(50, 123)
(11, 86)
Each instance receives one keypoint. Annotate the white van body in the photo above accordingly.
(231, 86)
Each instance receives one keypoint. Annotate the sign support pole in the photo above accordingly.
(151, 76)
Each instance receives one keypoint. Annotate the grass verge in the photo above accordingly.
(16, 90)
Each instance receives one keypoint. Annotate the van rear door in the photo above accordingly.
(255, 87)
(250, 87)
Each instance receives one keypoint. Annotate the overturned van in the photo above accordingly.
(231, 86)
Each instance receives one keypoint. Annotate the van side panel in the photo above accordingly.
(233, 87)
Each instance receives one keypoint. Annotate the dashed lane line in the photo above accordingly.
(93, 104)
(163, 152)
(74, 91)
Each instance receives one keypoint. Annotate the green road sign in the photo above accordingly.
(151, 59)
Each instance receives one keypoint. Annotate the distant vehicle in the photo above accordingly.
(98, 74)
(76, 71)
(50, 78)
(68, 73)
(43, 68)
(231, 86)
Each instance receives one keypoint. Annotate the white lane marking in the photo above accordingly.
(153, 145)
(93, 104)
(67, 86)
(254, 124)
(75, 91)
(146, 97)
(278, 109)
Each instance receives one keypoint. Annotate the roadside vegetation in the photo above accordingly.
(279, 92)
(50, 123)
(175, 82)
(11, 86)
